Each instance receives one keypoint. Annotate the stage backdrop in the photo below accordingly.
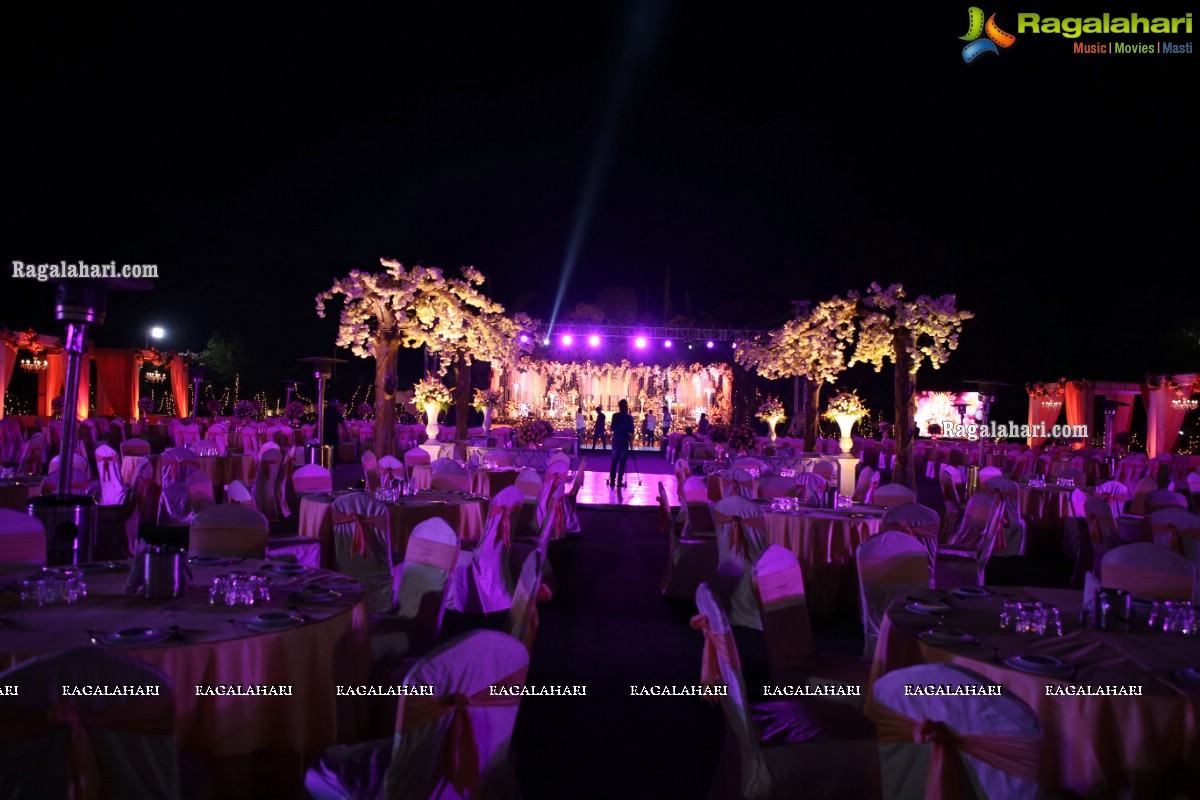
(554, 389)
(942, 407)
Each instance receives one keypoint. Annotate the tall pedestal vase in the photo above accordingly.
(846, 423)
(487, 419)
(431, 421)
(771, 423)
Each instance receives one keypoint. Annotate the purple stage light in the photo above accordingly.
(667, 343)
(594, 340)
(709, 345)
(567, 340)
(640, 343)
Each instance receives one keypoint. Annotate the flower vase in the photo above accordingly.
(431, 421)
(771, 423)
(487, 419)
(846, 423)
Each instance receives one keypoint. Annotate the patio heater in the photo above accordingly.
(322, 367)
(987, 396)
(197, 376)
(70, 519)
(1110, 416)
(291, 386)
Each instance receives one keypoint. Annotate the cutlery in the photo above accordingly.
(300, 614)
(95, 636)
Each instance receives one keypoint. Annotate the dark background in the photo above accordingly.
(762, 154)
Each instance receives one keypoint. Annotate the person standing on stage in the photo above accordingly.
(598, 434)
(667, 420)
(622, 437)
(580, 429)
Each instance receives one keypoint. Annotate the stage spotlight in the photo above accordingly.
(594, 340)
(689, 345)
(640, 343)
(733, 346)
(709, 345)
(667, 343)
(546, 341)
(567, 340)
(524, 338)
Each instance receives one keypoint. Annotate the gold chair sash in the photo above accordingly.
(715, 644)
(358, 542)
(737, 534)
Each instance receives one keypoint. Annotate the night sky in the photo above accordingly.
(762, 155)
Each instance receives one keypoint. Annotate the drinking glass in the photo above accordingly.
(218, 593)
(1051, 621)
(1010, 616)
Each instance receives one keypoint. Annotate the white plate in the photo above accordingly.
(927, 608)
(971, 592)
(210, 561)
(1190, 675)
(315, 595)
(132, 636)
(1039, 665)
(273, 621)
(946, 636)
(291, 569)
(95, 566)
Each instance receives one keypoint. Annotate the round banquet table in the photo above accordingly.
(221, 470)
(254, 746)
(1046, 508)
(464, 513)
(1090, 744)
(824, 541)
(16, 491)
(484, 482)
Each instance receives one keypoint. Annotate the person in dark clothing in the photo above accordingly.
(598, 432)
(335, 426)
(622, 437)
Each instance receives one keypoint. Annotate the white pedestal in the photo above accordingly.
(846, 476)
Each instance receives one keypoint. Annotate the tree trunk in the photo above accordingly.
(462, 398)
(386, 350)
(812, 404)
(905, 388)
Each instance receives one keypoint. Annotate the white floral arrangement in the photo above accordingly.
(533, 432)
(486, 398)
(771, 409)
(846, 404)
(431, 390)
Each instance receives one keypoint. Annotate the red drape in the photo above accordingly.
(1163, 420)
(179, 386)
(50, 383)
(85, 382)
(116, 383)
(1040, 415)
(8, 360)
(1078, 403)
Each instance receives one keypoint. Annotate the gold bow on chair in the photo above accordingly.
(504, 525)
(737, 535)
(154, 717)
(1016, 755)
(458, 757)
(107, 468)
(358, 543)
(715, 643)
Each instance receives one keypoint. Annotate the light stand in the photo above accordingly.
(197, 376)
(986, 398)
(322, 370)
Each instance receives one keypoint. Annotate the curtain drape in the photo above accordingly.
(1040, 415)
(1124, 419)
(116, 383)
(1078, 402)
(82, 404)
(8, 360)
(179, 386)
(50, 384)
(1164, 420)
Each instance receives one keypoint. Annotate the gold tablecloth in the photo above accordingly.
(824, 541)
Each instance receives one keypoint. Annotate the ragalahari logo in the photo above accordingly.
(976, 27)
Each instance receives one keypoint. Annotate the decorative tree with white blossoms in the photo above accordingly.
(421, 307)
(812, 347)
(909, 333)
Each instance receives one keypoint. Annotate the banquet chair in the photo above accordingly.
(1011, 541)
(230, 530)
(570, 501)
(737, 482)
(890, 564)
(446, 466)
(523, 614)
(682, 470)
(237, 492)
(312, 479)
(32, 455)
(10, 440)
(1022, 465)
(865, 486)
(129, 740)
(529, 482)
(370, 471)
(265, 478)
(249, 439)
(283, 481)
(200, 491)
(1137, 506)
(175, 466)
(690, 560)
(826, 469)
(1163, 498)
(561, 458)
(695, 510)
(415, 456)
(187, 434)
(963, 560)
(117, 525)
(987, 473)
(135, 447)
(500, 458)
(1115, 493)
(973, 746)
(422, 579)
(108, 466)
(1176, 529)
(553, 485)
(694, 489)
(429, 756)
(1147, 570)
(482, 582)
(22, 538)
(811, 487)
(1131, 469)
(799, 747)
(1193, 486)
(362, 544)
(391, 470)
(894, 494)
(548, 529)
(1078, 498)
(1094, 533)
(741, 539)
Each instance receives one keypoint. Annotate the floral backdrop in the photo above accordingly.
(554, 389)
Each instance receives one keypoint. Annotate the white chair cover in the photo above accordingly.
(422, 580)
(690, 561)
(1163, 498)
(894, 494)
(810, 747)
(1147, 570)
(737, 482)
(963, 560)
(482, 583)
(890, 564)
(363, 547)
(1177, 530)
(391, 470)
(987, 473)
(48, 736)
(415, 456)
(1011, 540)
(22, 537)
(1115, 493)
(237, 492)
(779, 590)
(529, 482)
(866, 486)
(1144, 486)
(312, 479)
(741, 539)
(811, 487)
(370, 470)
(695, 489)
(135, 447)
(265, 478)
(826, 469)
(523, 616)
(922, 737)
(433, 732)
(231, 530)
(108, 465)
(570, 506)
(176, 466)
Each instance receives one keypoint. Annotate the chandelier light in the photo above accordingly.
(1052, 405)
(154, 376)
(1185, 404)
(34, 364)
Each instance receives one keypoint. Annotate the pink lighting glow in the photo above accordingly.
(709, 345)
(667, 343)
(594, 340)
(640, 343)
(524, 338)
(567, 340)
